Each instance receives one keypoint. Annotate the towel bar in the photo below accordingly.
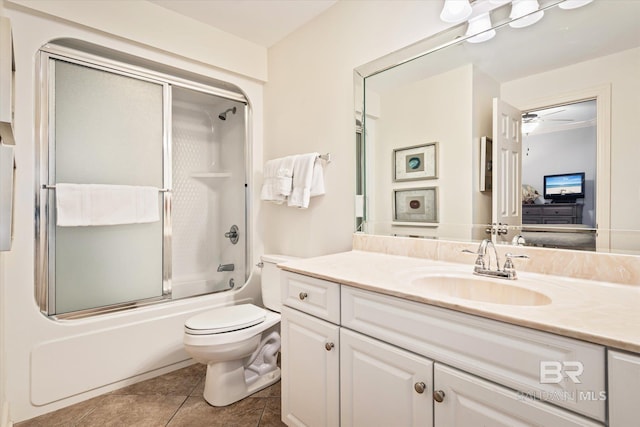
(325, 157)
(53, 187)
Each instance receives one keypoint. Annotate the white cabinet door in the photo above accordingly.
(310, 370)
(624, 378)
(470, 401)
(382, 385)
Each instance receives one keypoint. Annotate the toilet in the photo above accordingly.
(240, 343)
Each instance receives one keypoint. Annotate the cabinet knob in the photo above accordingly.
(420, 387)
(438, 396)
(329, 346)
(302, 295)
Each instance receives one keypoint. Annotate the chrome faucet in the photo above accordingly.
(518, 240)
(226, 267)
(483, 268)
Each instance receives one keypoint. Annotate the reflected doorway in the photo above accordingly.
(559, 175)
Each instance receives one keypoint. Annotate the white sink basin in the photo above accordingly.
(481, 289)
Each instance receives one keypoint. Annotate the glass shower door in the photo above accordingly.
(106, 127)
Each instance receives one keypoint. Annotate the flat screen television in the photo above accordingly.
(564, 188)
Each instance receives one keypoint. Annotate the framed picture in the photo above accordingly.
(418, 206)
(417, 162)
(486, 163)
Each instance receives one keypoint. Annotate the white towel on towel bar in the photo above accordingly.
(99, 204)
(278, 174)
(317, 180)
(303, 174)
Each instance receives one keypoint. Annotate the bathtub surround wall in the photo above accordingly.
(47, 365)
(208, 198)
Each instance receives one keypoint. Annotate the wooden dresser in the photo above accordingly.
(555, 213)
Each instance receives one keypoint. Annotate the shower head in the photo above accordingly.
(223, 116)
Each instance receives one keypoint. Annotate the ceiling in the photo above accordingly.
(264, 22)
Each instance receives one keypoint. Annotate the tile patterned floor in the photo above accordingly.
(171, 400)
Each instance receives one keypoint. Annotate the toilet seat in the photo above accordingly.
(225, 319)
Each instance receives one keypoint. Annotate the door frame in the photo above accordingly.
(602, 95)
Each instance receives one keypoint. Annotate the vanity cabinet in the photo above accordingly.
(624, 380)
(505, 354)
(400, 362)
(383, 385)
(310, 359)
(471, 401)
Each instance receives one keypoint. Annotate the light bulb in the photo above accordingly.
(480, 26)
(573, 4)
(455, 11)
(522, 13)
(528, 127)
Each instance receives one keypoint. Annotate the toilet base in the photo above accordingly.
(225, 383)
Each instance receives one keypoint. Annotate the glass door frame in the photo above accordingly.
(45, 173)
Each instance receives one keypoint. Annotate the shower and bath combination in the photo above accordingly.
(199, 168)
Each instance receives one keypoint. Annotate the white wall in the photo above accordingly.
(156, 27)
(620, 71)
(51, 364)
(309, 106)
(436, 109)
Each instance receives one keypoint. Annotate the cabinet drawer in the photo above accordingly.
(532, 210)
(471, 401)
(559, 210)
(507, 354)
(317, 297)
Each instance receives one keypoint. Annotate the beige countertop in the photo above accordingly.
(598, 312)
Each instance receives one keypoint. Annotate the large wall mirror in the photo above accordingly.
(526, 133)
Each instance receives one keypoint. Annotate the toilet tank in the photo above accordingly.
(270, 280)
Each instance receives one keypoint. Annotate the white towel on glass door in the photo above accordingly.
(277, 183)
(99, 204)
(302, 180)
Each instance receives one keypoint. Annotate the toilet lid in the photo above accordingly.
(225, 319)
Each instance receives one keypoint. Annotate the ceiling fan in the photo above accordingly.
(531, 117)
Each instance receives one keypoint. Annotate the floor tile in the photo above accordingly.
(64, 417)
(271, 391)
(272, 415)
(174, 399)
(198, 390)
(133, 411)
(180, 382)
(196, 412)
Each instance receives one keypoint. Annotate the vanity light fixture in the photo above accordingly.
(573, 4)
(480, 25)
(525, 9)
(455, 11)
